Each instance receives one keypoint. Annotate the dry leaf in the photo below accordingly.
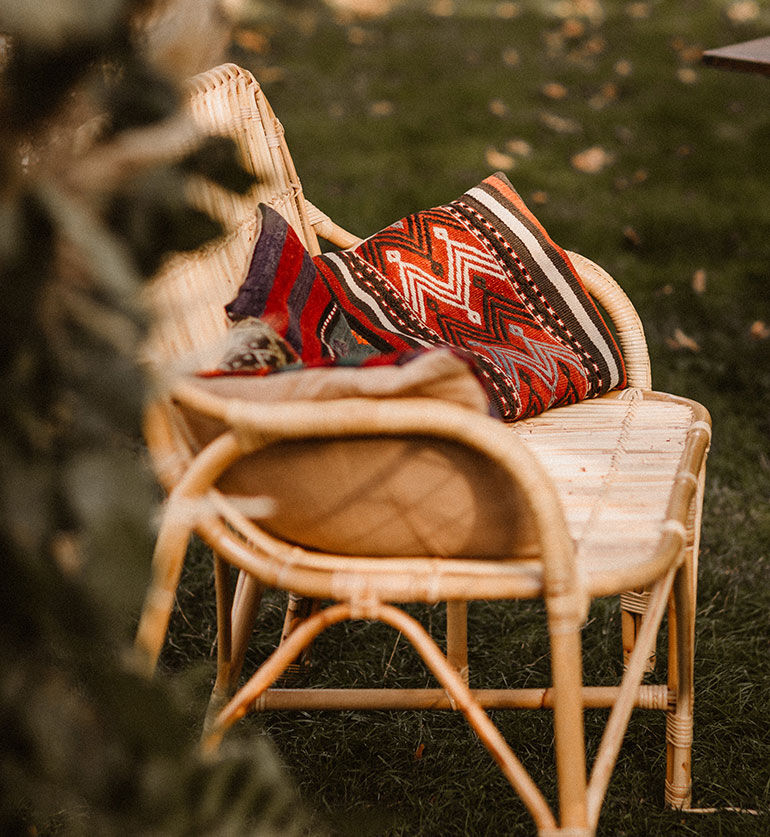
(623, 67)
(631, 236)
(638, 11)
(699, 281)
(381, 108)
(595, 45)
(357, 35)
(592, 160)
(687, 75)
(519, 147)
(419, 751)
(743, 11)
(554, 90)
(573, 28)
(759, 330)
(508, 10)
(498, 107)
(691, 54)
(442, 8)
(579, 8)
(539, 198)
(607, 94)
(361, 8)
(560, 124)
(511, 57)
(497, 160)
(682, 341)
(252, 39)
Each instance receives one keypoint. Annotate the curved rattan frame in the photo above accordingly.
(228, 99)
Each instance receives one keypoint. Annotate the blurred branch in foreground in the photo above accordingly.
(94, 161)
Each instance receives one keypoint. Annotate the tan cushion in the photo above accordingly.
(375, 496)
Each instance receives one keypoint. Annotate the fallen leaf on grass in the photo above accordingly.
(743, 11)
(680, 341)
(362, 8)
(381, 109)
(638, 11)
(357, 35)
(607, 94)
(498, 107)
(508, 10)
(583, 8)
(592, 160)
(252, 40)
(631, 236)
(690, 54)
(442, 8)
(623, 67)
(687, 75)
(595, 45)
(519, 147)
(573, 28)
(497, 160)
(419, 751)
(699, 281)
(511, 57)
(560, 124)
(269, 75)
(554, 90)
(759, 330)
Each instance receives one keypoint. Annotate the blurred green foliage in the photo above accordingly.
(87, 746)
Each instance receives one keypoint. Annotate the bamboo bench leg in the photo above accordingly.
(457, 637)
(298, 609)
(679, 719)
(248, 598)
(633, 606)
(459, 694)
(235, 619)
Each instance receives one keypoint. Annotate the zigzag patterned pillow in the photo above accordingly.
(482, 274)
(479, 274)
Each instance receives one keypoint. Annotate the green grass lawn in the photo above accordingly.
(398, 112)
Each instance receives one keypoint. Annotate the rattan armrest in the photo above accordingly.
(256, 425)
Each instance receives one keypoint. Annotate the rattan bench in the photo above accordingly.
(612, 491)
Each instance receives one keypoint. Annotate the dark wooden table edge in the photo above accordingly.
(727, 58)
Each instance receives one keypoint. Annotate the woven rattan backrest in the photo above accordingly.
(187, 297)
(228, 101)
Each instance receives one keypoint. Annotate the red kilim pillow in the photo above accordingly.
(481, 273)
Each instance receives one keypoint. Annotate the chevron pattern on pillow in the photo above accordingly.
(482, 274)
(479, 274)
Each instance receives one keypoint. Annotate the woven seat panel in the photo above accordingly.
(613, 461)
